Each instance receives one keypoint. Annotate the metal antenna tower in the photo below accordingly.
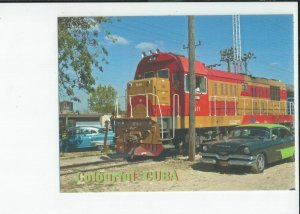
(237, 47)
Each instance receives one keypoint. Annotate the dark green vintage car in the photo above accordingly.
(253, 145)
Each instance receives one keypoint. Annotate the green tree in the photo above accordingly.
(102, 99)
(79, 51)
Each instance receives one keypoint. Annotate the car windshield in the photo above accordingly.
(251, 132)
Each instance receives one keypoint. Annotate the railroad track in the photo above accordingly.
(106, 164)
(75, 168)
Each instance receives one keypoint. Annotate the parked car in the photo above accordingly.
(87, 137)
(254, 145)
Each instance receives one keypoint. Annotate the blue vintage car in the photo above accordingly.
(83, 137)
(253, 145)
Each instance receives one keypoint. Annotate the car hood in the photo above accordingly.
(231, 145)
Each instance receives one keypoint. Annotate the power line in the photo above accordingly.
(149, 32)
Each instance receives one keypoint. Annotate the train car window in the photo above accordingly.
(187, 83)
(245, 87)
(275, 92)
(200, 84)
(149, 74)
(163, 73)
(235, 90)
(226, 89)
(231, 93)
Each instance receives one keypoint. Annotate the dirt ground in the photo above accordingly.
(179, 175)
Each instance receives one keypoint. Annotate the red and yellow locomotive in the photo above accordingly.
(158, 104)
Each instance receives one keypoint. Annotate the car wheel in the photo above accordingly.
(100, 147)
(260, 164)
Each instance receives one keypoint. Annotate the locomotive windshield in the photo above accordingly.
(164, 73)
(149, 74)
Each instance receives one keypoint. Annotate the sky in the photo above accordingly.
(269, 37)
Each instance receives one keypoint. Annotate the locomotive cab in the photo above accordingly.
(148, 97)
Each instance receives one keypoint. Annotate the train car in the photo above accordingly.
(158, 104)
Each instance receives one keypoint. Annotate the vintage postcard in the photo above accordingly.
(136, 116)
(149, 107)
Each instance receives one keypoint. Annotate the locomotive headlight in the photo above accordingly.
(129, 85)
(205, 148)
(147, 83)
(246, 150)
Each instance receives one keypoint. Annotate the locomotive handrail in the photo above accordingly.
(175, 95)
(117, 105)
(225, 103)
(147, 113)
(161, 117)
(291, 108)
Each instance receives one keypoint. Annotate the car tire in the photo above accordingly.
(260, 164)
(291, 159)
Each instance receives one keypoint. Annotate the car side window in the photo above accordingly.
(284, 133)
(84, 131)
(275, 134)
(94, 131)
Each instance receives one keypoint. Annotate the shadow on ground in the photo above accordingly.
(237, 170)
(221, 170)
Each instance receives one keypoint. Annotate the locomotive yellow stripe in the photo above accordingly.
(209, 121)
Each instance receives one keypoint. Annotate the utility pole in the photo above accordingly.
(191, 46)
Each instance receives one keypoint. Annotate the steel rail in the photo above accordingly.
(104, 167)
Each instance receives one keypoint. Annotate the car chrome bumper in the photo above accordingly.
(97, 143)
(230, 160)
